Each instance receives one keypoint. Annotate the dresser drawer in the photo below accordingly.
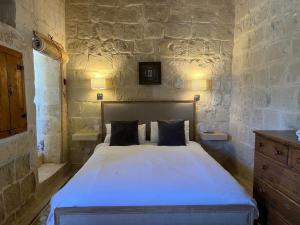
(274, 218)
(280, 177)
(272, 149)
(295, 159)
(270, 198)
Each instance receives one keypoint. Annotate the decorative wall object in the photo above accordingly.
(149, 73)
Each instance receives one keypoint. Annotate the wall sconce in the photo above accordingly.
(98, 83)
(199, 85)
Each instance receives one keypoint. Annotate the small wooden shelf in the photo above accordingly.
(86, 136)
(213, 136)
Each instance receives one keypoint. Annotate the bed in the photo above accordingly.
(150, 184)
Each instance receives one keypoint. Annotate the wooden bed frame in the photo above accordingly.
(154, 215)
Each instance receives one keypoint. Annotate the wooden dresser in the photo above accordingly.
(277, 177)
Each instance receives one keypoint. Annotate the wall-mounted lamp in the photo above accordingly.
(199, 85)
(98, 83)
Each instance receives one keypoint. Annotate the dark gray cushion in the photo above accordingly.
(124, 133)
(171, 133)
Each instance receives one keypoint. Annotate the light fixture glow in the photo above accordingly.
(98, 83)
(200, 85)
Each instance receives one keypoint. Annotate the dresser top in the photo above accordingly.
(287, 137)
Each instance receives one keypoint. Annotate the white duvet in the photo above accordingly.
(145, 175)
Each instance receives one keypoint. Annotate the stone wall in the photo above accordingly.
(18, 154)
(192, 39)
(266, 74)
(8, 12)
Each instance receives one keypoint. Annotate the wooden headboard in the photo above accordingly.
(147, 111)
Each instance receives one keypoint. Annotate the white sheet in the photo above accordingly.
(146, 175)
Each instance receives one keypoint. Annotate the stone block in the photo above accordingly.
(130, 2)
(71, 29)
(180, 14)
(131, 14)
(222, 115)
(77, 62)
(216, 99)
(12, 197)
(202, 30)
(204, 15)
(105, 30)
(154, 30)
(277, 73)
(85, 30)
(293, 75)
(296, 47)
(94, 46)
(133, 31)
(278, 50)
(103, 14)
(77, 13)
(291, 121)
(261, 78)
(124, 46)
(157, 13)
(28, 185)
(104, 2)
(286, 98)
(272, 120)
(227, 48)
(143, 46)
(222, 32)
(261, 99)
(2, 210)
(196, 48)
(22, 165)
(6, 174)
(77, 46)
(176, 30)
(173, 48)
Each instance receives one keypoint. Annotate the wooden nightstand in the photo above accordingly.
(86, 136)
(213, 136)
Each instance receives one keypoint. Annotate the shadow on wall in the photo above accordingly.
(8, 12)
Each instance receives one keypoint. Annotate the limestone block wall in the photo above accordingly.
(18, 153)
(192, 39)
(266, 74)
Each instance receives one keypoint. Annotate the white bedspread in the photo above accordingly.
(145, 175)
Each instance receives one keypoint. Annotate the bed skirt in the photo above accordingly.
(160, 215)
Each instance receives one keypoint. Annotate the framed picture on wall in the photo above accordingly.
(149, 73)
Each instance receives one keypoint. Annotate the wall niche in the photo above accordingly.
(8, 12)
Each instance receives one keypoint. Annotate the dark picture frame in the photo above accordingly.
(149, 73)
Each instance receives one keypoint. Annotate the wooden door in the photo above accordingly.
(4, 100)
(17, 106)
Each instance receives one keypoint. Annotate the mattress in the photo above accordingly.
(150, 175)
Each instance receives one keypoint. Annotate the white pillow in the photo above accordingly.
(141, 131)
(154, 131)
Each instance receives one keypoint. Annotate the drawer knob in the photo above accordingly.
(261, 144)
(260, 189)
(264, 167)
(277, 152)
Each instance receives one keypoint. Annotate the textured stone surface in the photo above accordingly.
(22, 166)
(12, 197)
(6, 174)
(28, 185)
(266, 76)
(46, 17)
(192, 39)
(2, 210)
